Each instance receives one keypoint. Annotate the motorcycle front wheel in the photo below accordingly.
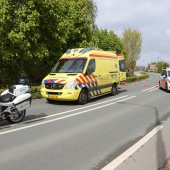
(17, 117)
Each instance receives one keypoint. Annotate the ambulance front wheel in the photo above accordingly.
(50, 101)
(114, 90)
(83, 97)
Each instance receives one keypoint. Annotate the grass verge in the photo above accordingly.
(166, 165)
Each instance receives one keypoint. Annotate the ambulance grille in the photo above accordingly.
(54, 86)
(54, 93)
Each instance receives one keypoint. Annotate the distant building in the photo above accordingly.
(152, 67)
(140, 68)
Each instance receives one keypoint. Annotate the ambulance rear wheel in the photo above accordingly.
(114, 90)
(83, 97)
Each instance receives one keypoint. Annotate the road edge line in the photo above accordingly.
(64, 112)
(73, 110)
(148, 88)
(121, 158)
(153, 89)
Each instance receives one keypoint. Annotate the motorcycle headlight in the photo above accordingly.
(71, 85)
(42, 84)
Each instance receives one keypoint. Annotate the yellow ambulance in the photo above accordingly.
(84, 73)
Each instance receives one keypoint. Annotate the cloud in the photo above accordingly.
(149, 16)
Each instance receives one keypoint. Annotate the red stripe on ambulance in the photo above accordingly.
(87, 80)
(102, 56)
(79, 81)
(60, 81)
(94, 78)
(81, 78)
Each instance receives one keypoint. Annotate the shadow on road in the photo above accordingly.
(30, 117)
(5, 124)
(74, 103)
(62, 103)
(34, 118)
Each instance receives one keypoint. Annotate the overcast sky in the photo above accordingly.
(151, 17)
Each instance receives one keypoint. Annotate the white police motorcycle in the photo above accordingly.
(14, 102)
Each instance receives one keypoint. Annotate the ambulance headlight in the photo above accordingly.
(42, 84)
(71, 85)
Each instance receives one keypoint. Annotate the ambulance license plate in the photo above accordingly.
(52, 97)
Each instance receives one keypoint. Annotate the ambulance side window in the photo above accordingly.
(122, 66)
(91, 66)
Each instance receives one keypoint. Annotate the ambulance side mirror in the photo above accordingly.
(89, 71)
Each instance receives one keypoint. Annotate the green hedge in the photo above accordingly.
(35, 90)
(1, 90)
(144, 75)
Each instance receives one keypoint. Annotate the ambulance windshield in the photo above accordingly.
(70, 65)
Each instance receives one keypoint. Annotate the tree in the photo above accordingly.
(34, 34)
(132, 42)
(161, 65)
(108, 40)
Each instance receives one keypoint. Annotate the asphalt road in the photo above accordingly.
(67, 136)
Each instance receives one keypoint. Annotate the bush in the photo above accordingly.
(128, 74)
(35, 91)
(143, 75)
(1, 90)
(36, 95)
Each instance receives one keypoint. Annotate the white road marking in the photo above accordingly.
(65, 112)
(64, 117)
(153, 89)
(148, 88)
(6, 126)
(120, 159)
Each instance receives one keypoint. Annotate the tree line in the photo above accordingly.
(35, 33)
(158, 66)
